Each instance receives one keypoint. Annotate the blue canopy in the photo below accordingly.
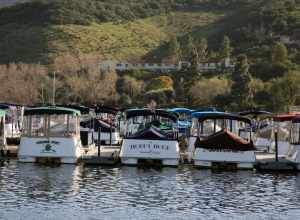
(182, 110)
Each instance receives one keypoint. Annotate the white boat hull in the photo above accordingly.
(207, 158)
(165, 151)
(64, 150)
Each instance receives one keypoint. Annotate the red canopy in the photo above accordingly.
(286, 117)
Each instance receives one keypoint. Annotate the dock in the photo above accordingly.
(108, 155)
(269, 162)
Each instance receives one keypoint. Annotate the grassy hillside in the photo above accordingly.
(39, 31)
(129, 40)
(39, 40)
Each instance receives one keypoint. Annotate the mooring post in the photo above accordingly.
(276, 145)
(99, 141)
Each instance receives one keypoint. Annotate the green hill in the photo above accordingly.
(39, 31)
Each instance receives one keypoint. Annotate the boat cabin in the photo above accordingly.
(223, 139)
(51, 134)
(150, 135)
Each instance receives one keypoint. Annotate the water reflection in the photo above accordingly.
(75, 192)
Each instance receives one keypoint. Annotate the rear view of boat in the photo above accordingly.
(51, 135)
(224, 141)
(151, 138)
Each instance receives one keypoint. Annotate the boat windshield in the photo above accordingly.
(184, 117)
(211, 126)
(139, 123)
(61, 125)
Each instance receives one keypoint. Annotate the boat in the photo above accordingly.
(262, 126)
(106, 124)
(2, 134)
(184, 120)
(293, 153)
(193, 134)
(150, 138)
(51, 134)
(106, 134)
(13, 122)
(223, 141)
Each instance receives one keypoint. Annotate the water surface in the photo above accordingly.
(29, 191)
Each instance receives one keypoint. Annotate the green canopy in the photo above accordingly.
(2, 113)
(52, 110)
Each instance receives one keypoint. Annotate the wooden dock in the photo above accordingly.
(108, 155)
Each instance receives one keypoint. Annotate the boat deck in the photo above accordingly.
(108, 155)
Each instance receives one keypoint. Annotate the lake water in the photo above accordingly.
(29, 191)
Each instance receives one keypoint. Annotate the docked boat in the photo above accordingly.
(51, 134)
(13, 123)
(151, 137)
(223, 141)
(105, 122)
(184, 121)
(2, 134)
(262, 128)
(281, 125)
(293, 153)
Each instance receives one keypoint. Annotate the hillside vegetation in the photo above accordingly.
(40, 30)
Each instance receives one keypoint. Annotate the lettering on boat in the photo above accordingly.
(149, 148)
(223, 150)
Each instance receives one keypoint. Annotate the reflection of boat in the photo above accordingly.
(184, 120)
(228, 143)
(150, 135)
(51, 134)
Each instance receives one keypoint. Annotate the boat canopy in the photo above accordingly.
(202, 116)
(83, 109)
(182, 110)
(256, 113)
(105, 109)
(52, 110)
(285, 117)
(2, 113)
(146, 112)
(206, 109)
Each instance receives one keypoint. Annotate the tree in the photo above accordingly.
(190, 47)
(241, 93)
(202, 49)
(279, 54)
(129, 86)
(285, 91)
(161, 82)
(226, 48)
(174, 50)
(204, 92)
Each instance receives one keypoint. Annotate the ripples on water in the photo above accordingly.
(29, 191)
